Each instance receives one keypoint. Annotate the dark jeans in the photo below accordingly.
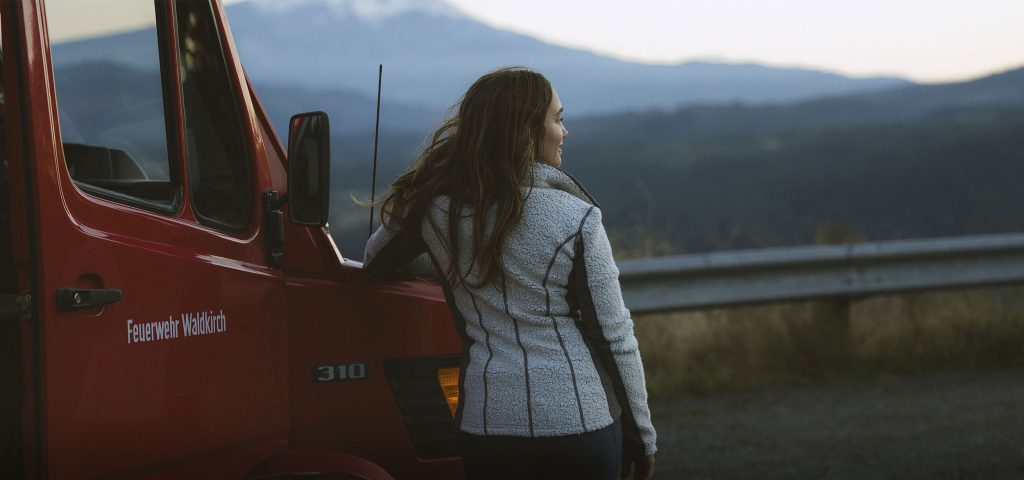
(592, 456)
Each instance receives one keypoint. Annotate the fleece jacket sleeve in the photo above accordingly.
(392, 254)
(602, 306)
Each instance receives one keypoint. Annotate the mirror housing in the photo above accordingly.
(309, 168)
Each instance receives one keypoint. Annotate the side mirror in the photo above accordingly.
(309, 168)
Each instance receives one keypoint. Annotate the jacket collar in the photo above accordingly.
(549, 176)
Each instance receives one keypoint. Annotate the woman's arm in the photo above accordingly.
(391, 254)
(609, 328)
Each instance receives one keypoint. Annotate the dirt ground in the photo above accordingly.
(961, 425)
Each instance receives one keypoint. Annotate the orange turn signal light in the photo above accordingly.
(448, 379)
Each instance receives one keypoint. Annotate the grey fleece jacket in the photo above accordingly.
(549, 350)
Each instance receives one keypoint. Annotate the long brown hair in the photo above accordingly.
(479, 157)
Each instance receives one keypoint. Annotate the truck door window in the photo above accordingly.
(110, 100)
(217, 155)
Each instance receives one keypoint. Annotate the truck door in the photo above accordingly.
(162, 342)
(12, 201)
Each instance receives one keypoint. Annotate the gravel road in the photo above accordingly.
(962, 425)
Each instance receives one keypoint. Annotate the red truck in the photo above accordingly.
(171, 303)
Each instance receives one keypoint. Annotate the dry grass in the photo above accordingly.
(729, 349)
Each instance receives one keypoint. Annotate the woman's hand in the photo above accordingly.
(644, 469)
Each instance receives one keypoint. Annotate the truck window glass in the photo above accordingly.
(218, 167)
(110, 100)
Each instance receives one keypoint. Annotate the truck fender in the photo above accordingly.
(317, 463)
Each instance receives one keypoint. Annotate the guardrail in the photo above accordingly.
(740, 277)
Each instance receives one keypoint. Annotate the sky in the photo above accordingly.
(923, 40)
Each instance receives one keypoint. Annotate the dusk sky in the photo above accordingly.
(924, 40)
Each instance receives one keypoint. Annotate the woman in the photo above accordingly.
(552, 384)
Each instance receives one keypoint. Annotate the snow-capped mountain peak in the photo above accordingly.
(367, 10)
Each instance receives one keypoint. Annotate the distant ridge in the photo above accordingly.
(901, 104)
(911, 162)
(366, 10)
(906, 162)
(431, 51)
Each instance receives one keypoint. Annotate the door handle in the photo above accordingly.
(77, 298)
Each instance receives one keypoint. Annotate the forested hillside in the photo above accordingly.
(921, 161)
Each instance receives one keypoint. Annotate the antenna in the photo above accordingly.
(376, 136)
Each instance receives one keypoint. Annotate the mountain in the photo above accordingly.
(431, 52)
(897, 105)
(350, 112)
(921, 161)
(674, 170)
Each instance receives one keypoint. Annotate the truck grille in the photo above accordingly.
(422, 405)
